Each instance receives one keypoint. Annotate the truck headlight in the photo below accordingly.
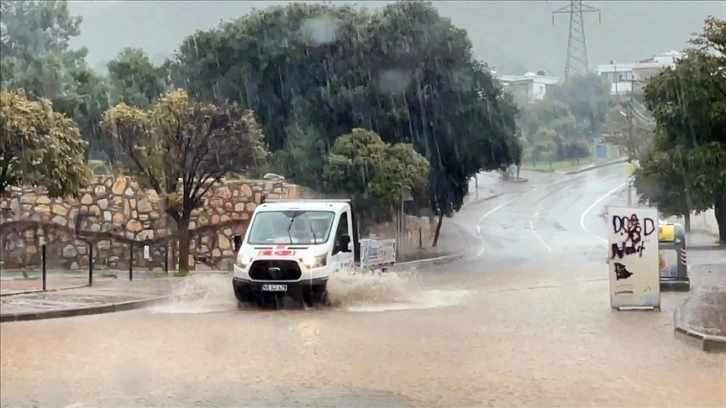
(312, 262)
(242, 261)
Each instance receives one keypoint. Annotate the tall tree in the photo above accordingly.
(405, 73)
(39, 147)
(36, 57)
(588, 98)
(688, 102)
(181, 148)
(134, 80)
(629, 132)
(375, 173)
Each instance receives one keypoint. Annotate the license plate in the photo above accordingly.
(274, 288)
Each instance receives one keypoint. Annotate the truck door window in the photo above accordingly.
(341, 230)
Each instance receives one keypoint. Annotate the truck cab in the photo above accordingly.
(292, 247)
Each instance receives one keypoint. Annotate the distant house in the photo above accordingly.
(622, 76)
(646, 68)
(530, 86)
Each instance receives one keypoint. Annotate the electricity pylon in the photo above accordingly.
(576, 42)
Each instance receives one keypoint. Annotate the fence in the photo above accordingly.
(37, 255)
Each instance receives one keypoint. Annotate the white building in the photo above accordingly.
(622, 76)
(646, 68)
(530, 86)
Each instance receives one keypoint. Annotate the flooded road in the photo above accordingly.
(515, 323)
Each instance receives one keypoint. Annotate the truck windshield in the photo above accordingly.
(291, 227)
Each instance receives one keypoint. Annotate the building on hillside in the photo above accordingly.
(530, 87)
(622, 76)
(648, 67)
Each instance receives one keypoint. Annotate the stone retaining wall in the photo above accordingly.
(116, 211)
(123, 211)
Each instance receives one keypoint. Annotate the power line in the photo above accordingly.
(576, 42)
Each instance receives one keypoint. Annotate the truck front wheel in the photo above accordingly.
(316, 295)
(242, 295)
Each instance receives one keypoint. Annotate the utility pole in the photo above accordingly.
(576, 43)
(631, 145)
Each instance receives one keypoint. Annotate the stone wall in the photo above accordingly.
(116, 211)
(116, 219)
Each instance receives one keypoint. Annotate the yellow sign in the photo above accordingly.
(667, 233)
(630, 169)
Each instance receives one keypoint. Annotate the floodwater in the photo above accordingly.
(519, 338)
(353, 291)
(524, 321)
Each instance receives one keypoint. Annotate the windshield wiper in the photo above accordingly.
(289, 227)
(312, 231)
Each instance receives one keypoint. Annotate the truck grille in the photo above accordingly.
(289, 270)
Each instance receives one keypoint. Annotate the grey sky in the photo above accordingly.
(513, 36)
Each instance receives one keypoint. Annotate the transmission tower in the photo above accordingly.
(576, 43)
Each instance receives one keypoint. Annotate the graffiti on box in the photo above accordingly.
(633, 231)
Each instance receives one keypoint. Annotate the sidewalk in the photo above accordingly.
(18, 284)
(104, 297)
(701, 319)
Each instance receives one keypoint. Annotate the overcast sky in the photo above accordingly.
(513, 36)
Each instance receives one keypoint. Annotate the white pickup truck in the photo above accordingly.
(292, 247)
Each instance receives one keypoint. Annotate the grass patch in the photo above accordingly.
(559, 165)
(99, 167)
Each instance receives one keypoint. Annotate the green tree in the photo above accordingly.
(404, 72)
(570, 141)
(629, 132)
(587, 98)
(134, 80)
(39, 147)
(182, 148)
(545, 143)
(36, 57)
(361, 164)
(688, 102)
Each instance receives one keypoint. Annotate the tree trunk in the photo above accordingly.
(687, 222)
(719, 209)
(183, 231)
(438, 230)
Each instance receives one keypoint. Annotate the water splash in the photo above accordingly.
(353, 287)
(350, 290)
(201, 293)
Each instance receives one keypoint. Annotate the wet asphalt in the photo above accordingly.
(522, 320)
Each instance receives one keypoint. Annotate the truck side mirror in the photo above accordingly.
(237, 240)
(344, 243)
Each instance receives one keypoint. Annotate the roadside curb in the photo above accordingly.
(481, 200)
(706, 342)
(92, 310)
(84, 311)
(595, 167)
(429, 261)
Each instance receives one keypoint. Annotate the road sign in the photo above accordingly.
(147, 252)
(629, 169)
(633, 257)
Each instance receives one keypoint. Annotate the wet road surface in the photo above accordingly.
(523, 320)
